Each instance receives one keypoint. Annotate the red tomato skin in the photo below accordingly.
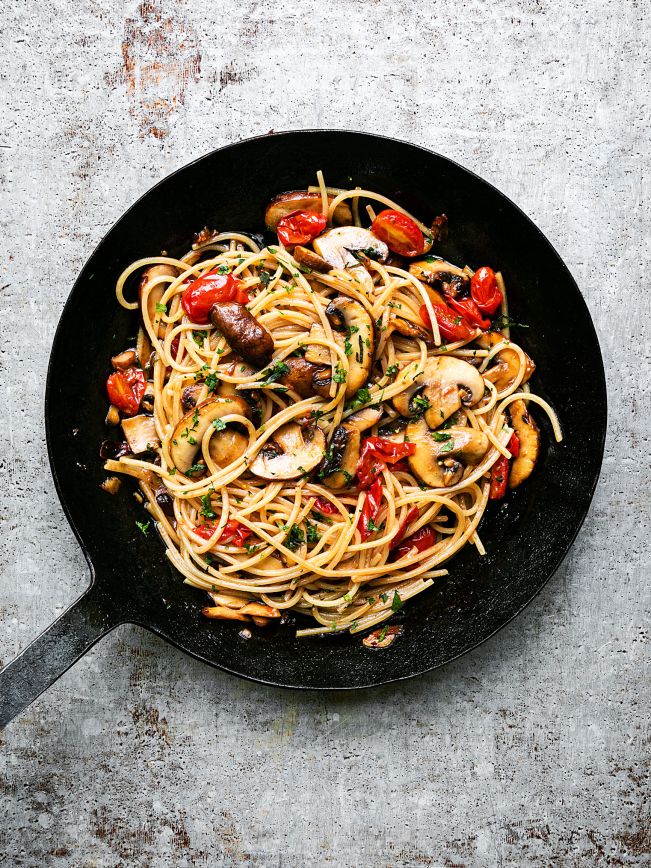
(499, 478)
(125, 390)
(484, 290)
(205, 531)
(424, 538)
(399, 232)
(412, 515)
(371, 509)
(449, 328)
(207, 290)
(300, 227)
(514, 445)
(375, 454)
(325, 507)
(469, 311)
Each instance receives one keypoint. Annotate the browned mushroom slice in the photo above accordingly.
(304, 377)
(227, 446)
(302, 200)
(124, 360)
(440, 457)
(309, 259)
(342, 456)
(190, 429)
(291, 453)
(528, 433)
(446, 383)
(441, 275)
(507, 363)
(192, 395)
(243, 332)
(152, 276)
(339, 246)
(140, 433)
(409, 329)
(349, 319)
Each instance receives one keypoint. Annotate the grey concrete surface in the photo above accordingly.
(534, 749)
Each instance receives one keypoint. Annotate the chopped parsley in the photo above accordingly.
(313, 536)
(384, 597)
(339, 375)
(502, 322)
(161, 308)
(206, 507)
(196, 468)
(219, 424)
(440, 436)
(362, 397)
(396, 603)
(447, 446)
(295, 538)
(391, 372)
(265, 278)
(143, 527)
(348, 347)
(274, 373)
(224, 269)
(420, 404)
(383, 633)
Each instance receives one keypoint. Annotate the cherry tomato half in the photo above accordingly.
(452, 327)
(423, 539)
(499, 478)
(399, 233)
(125, 390)
(207, 290)
(484, 290)
(299, 227)
(469, 310)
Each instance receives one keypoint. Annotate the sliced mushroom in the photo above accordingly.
(409, 329)
(350, 319)
(243, 332)
(140, 433)
(338, 246)
(446, 383)
(143, 348)
(124, 360)
(293, 452)
(147, 400)
(507, 363)
(440, 457)
(113, 416)
(192, 395)
(310, 259)
(441, 275)
(529, 436)
(302, 200)
(317, 353)
(189, 431)
(304, 377)
(152, 274)
(340, 461)
(364, 419)
(227, 446)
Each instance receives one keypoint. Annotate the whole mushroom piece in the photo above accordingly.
(244, 334)
(441, 457)
(445, 384)
(190, 429)
(291, 453)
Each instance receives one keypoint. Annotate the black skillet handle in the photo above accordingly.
(53, 652)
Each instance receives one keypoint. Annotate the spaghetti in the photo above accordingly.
(318, 424)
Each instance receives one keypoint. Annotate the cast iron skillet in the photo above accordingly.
(526, 537)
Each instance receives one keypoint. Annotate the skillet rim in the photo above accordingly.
(600, 391)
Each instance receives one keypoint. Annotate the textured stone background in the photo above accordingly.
(534, 749)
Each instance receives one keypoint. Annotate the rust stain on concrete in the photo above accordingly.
(160, 57)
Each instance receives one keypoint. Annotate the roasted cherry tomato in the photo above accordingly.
(205, 531)
(375, 454)
(370, 510)
(412, 515)
(423, 539)
(499, 478)
(234, 533)
(485, 291)
(514, 445)
(399, 232)
(300, 227)
(453, 327)
(174, 347)
(469, 311)
(209, 289)
(125, 390)
(322, 505)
